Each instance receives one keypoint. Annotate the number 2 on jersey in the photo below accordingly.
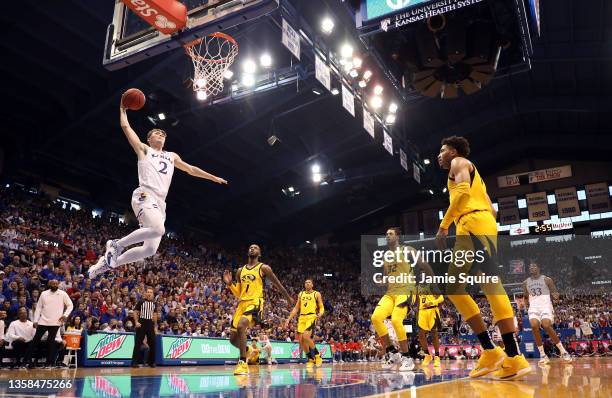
(164, 166)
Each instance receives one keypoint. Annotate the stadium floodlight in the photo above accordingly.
(316, 178)
(390, 118)
(316, 169)
(346, 51)
(353, 73)
(248, 80)
(376, 102)
(393, 107)
(426, 161)
(291, 189)
(228, 74)
(201, 95)
(444, 190)
(367, 74)
(362, 83)
(357, 62)
(161, 116)
(249, 66)
(431, 192)
(327, 25)
(378, 90)
(335, 91)
(265, 60)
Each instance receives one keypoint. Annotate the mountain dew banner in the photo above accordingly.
(108, 349)
(179, 350)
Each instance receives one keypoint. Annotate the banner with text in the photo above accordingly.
(403, 159)
(567, 202)
(111, 349)
(598, 197)
(348, 100)
(368, 122)
(291, 39)
(508, 210)
(553, 173)
(388, 142)
(537, 206)
(322, 73)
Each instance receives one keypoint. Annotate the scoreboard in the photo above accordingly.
(544, 229)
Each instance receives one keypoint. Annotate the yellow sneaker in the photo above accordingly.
(436, 361)
(426, 360)
(242, 368)
(310, 363)
(513, 368)
(490, 361)
(318, 360)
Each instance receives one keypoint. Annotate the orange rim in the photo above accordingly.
(215, 34)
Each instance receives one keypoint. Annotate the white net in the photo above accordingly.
(212, 56)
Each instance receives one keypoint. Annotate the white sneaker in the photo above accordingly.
(543, 360)
(407, 364)
(566, 357)
(112, 252)
(99, 268)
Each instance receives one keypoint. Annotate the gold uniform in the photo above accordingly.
(251, 296)
(308, 311)
(429, 316)
(396, 302)
(475, 224)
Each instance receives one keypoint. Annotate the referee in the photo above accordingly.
(144, 320)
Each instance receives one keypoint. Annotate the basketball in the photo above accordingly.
(133, 99)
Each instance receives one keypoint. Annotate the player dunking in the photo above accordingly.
(474, 216)
(538, 290)
(248, 288)
(395, 304)
(429, 321)
(155, 170)
(310, 306)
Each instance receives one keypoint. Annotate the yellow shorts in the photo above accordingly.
(429, 319)
(306, 323)
(250, 309)
(399, 304)
(475, 231)
(252, 356)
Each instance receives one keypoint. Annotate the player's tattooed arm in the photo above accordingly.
(130, 134)
(267, 271)
(551, 286)
(196, 171)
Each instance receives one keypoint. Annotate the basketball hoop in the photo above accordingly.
(212, 56)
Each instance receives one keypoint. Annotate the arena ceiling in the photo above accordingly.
(60, 121)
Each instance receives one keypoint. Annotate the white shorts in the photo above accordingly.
(540, 313)
(143, 199)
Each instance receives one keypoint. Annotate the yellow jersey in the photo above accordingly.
(251, 283)
(429, 298)
(399, 268)
(308, 302)
(478, 194)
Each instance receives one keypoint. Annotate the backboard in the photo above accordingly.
(129, 39)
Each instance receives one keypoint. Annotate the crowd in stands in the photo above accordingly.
(41, 240)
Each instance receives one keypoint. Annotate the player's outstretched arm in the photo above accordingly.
(293, 312)
(196, 171)
(268, 273)
(130, 134)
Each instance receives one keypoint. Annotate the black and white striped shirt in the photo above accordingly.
(146, 310)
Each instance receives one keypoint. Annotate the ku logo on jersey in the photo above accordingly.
(142, 197)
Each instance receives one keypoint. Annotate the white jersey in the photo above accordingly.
(539, 293)
(155, 172)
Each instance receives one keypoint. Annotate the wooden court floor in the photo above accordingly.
(584, 378)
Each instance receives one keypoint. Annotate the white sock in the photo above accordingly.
(561, 348)
(541, 349)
